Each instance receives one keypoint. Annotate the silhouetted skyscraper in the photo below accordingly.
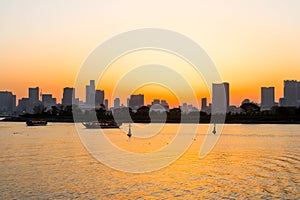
(220, 97)
(34, 95)
(136, 101)
(203, 104)
(298, 93)
(117, 103)
(14, 103)
(99, 97)
(68, 96)
(290, 93)
(106, 104)
(33, 99)
(267, 98)
(128, 100)
(7, 103)
(90, 93)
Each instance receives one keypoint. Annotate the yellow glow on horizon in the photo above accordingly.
(45, 44)
(172, 67)
(154, 91)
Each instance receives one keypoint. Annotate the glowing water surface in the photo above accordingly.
(255, 161)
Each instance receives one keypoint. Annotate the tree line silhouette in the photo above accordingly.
(250, 113)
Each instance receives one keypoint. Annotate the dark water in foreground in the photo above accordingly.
(249, 161)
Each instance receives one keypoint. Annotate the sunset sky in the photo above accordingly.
(252, 43)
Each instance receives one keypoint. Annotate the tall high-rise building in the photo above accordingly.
(128, 100)
(136, 101)
(34, 94)
(7, 102)
(204, 104)
(33, 99)
(68, 96)
(99, 97)
(267, 98)
(291, 93)
(298, 93)
(117, 103)
(106, 104)
(90, 93)
(220, 97)
(48, 101)
(14, 103)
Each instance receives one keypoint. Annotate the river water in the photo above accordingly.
(248, 161)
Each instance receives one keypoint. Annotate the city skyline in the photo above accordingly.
(95, 97)
(255, 97)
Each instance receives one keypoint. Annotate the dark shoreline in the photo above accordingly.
(236, 121)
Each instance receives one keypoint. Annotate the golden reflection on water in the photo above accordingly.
(254, 161)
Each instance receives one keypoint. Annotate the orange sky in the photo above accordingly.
(253, 44)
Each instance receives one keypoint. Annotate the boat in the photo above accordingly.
(129, 134)
(214, 131)
(38, 122)
(102, 124)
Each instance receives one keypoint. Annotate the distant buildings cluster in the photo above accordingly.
(93, 99)
(96, 98)
(291, 96)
